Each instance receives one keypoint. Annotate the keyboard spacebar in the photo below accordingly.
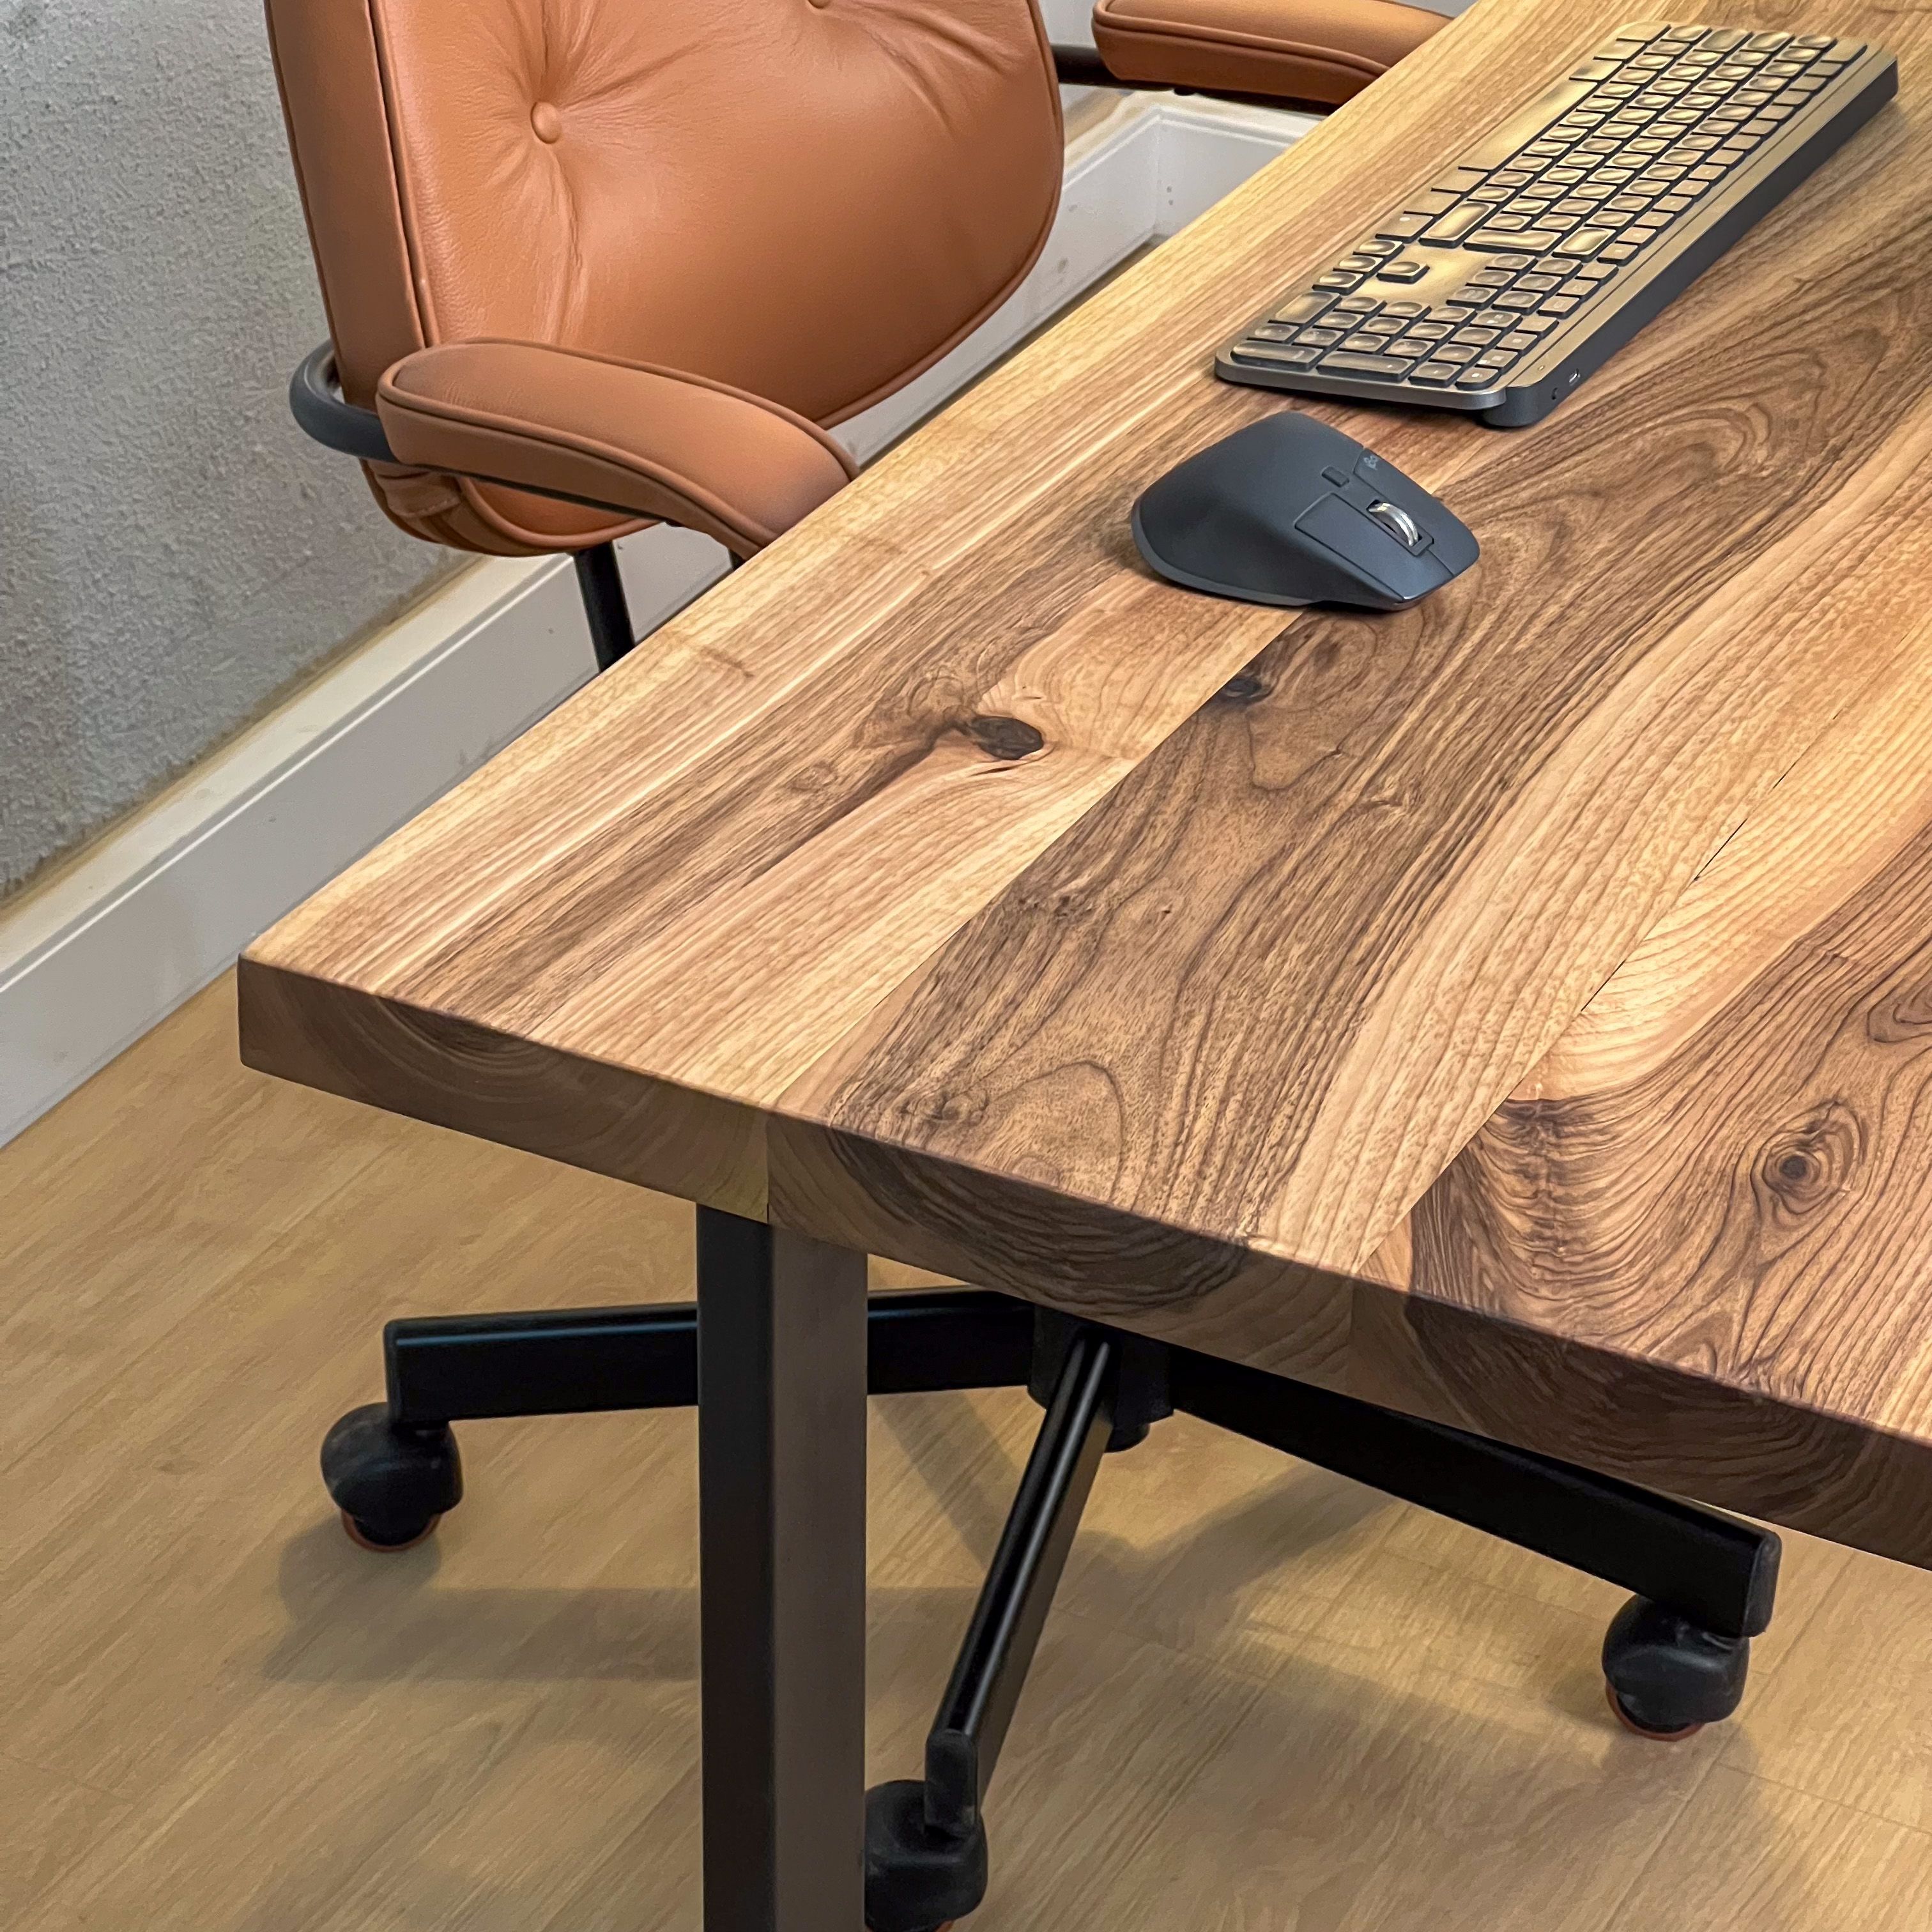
(1497, 146)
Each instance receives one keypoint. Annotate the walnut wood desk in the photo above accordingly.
(1517, 1011)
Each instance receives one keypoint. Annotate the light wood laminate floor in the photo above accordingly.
(1268, 1700)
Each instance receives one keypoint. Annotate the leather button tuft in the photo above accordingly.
(547, 121)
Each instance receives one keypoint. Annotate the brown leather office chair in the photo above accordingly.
(589, 264)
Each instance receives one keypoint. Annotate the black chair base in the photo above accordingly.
(1675, 1657)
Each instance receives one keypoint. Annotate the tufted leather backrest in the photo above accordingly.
(809, 199)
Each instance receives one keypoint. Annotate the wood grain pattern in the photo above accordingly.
(1709, 1214)
(944, 885)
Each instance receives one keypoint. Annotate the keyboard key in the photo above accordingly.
(1407, 310)
(1303, 308)
(1370, 345)
(1558, 305)
(1376, 368)
(1402, 272)
(1269, 332)
(1403, 227)
(1318, 338)
(1585, 241)
(1334, 282)
(1357, 305)
(1541, 239)
(1451, 227)
(1378, 251)
(1383, 324)
(1436, 373)
(1277, 359)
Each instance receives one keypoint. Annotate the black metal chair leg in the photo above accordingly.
(601, 587)
(926, 1840)
(392, 1466)
(1675, 1657)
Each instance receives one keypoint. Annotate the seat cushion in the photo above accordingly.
(648, 442)
(1318, 50)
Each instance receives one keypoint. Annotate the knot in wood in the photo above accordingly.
(1244, 688)
(1008, 738)
(1813, 1163)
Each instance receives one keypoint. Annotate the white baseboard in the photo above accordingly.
(159, 906)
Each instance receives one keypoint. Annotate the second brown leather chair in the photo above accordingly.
(589, 264)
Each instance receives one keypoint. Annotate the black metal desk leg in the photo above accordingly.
(781, 1528)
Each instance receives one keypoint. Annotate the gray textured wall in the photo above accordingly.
(172, 553)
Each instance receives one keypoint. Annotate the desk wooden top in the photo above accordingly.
(943, 885)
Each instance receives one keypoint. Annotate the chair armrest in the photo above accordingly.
(1316, 53)
(625, 436)
(317, 403)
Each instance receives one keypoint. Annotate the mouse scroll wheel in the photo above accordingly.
(1398, 523)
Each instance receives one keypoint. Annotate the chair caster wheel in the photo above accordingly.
(1631, 1724)
(1667, 1678)
(393, 1485)
(367, 1536)
(912, 1872)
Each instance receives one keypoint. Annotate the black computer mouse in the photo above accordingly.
(1289, 511)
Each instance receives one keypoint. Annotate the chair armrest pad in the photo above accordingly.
(1310, 50)
(651, 441)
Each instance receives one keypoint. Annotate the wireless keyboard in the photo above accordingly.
(1503, 280)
